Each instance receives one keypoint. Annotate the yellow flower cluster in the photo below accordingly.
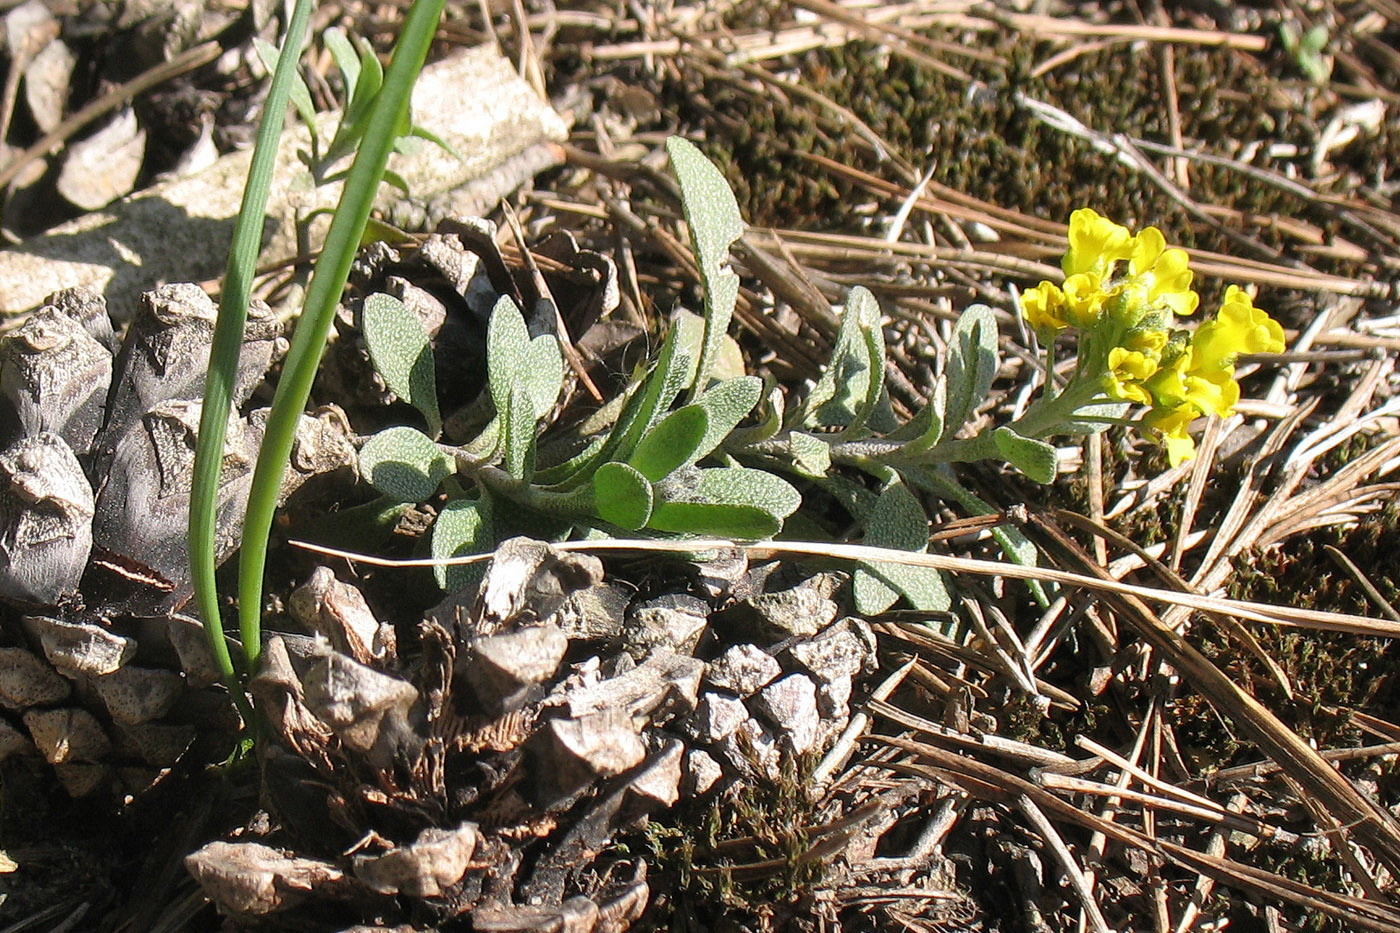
(1123, 293)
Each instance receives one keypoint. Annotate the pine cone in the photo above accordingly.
(95, 462)
(544, 714)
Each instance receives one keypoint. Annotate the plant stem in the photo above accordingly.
(224, 353)
(323, 294)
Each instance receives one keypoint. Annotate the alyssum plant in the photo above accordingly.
(688, 450)
(686, 455)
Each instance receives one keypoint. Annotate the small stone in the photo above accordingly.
(338, 611)
(674, 621)
(157, 743)
(791, 705)
(245, 878)
(191, 646)
(666, 683)
(12, 741)
(570, 754)
(753, 750)
(504, 671)
(83, 778)
(742, 670)
(800, 611)
(834, 697)
(845, 649)
(701, 772)
(595, 613)
(716, 717)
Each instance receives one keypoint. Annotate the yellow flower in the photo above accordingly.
(1084, 297)
(1095, 244)
(1213, 391)
(1127, 370)
(1170, 425)
(1168, 384)
(1044, 308)
(1163, 273)
(1238, 328)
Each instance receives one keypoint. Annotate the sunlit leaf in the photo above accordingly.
(623, 496)
(402, 355)
(463, 527)
(404, 463)
(897, 521)
(1035, 458)
(713, 217)
(674, 442)
(972, 365)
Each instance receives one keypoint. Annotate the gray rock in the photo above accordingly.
(595, 613)
(67, 735)
(666, 682)
(504, 670)
(12, 740)
(701, 772)
(716, 717)
(753, 751)
(834, 697)
(800, 611)
(843, 650)
(742, 670)
(790, 704)
(430, 865)
(568, 754)
(674, 621)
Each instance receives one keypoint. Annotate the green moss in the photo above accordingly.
(711, 852)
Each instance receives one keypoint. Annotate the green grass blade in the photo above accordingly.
(327, 283)
(227, 342)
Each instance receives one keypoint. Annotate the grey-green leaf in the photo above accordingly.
(714, 220)
(746, 486)
(673, 443)
(344, 56)
(463, 527)
(623, 497)
(717, 519)
(399, 348)
(925, 429)
(898, 521)
(726, 405)
(507, 350)
(1035, 458)
(544, 372)
(404, 463)
(973, 362)
(811, 456)
(849, 389)
(519, 456)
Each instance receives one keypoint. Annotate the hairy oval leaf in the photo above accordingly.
(623, 497)
(714, 220)
(399, 348)
(404, 463)
(973, 362)
(673, 443)
(463, 527)
(1035, 458)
